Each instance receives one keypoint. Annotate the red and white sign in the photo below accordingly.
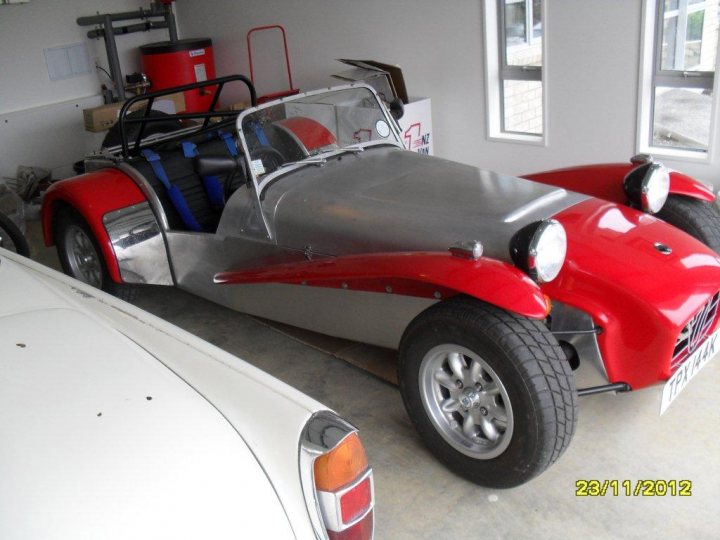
(416, 126)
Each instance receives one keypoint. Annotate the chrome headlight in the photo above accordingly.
(648, 186)
(539, 249)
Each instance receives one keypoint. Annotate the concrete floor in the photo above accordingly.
(618, 438)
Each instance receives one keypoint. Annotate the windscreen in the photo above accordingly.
(310, 127)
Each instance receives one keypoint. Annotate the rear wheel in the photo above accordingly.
(490, 392)
(12, 238)
(80, 255)
(700, 219)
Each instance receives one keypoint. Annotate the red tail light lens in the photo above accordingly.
(356, 502)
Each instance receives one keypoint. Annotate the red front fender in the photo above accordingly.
(641, 297)
(421, 274)
(92, 195)
(605, 181)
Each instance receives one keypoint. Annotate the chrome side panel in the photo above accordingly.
(375, 318)
(197, 257)
(138, 245)
(572, 325)
(242, 217)
(387, 199)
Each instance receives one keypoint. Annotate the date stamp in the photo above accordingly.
(633, 488)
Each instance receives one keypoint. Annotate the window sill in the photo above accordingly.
(693, 156)
(535, 140)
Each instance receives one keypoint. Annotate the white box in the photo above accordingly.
(416, 126)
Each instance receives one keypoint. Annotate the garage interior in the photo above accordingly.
(591, 78)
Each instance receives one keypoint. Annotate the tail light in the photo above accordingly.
(337, 481)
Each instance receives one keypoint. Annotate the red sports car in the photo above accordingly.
(502, 294)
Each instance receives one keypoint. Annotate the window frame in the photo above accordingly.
(652, 76)
(498, 72)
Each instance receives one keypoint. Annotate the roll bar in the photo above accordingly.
(150, 98)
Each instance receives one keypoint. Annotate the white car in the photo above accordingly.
(117, 424)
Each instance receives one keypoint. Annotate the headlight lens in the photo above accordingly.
(648, 186)
(539, 249)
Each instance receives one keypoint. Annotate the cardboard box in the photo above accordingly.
(386, 79)
(416, 126)
(101, 118)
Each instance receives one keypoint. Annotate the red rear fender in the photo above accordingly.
(421, 274)
(92, 195)
(605, 181)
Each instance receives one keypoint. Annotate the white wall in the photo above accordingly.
(592, 68)
(438, 45)
(41, 120)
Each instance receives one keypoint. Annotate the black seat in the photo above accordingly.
(181, 173)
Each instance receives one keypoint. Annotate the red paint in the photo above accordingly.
(92, 195)
(682, 184)
(641, 298)
(420, 274)
(311, 134)
(291, 90)
(408, 136)
(605, 181)
(176, 68)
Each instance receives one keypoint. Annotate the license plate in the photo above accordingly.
(689, 369)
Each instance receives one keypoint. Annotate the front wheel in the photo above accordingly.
(80, 255)
(700, 219)
(490, 392)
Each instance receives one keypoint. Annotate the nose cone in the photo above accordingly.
(639, 254)
(640, 279)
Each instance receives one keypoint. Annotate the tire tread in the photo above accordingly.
(700, 219)
(539, 360)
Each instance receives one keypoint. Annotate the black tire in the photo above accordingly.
(700, 219)
(12, 238)
(532, 371)
(68, 227)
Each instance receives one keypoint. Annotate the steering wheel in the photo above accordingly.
(268, 155)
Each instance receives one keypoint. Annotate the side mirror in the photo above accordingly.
(397, 109)
(215, 165)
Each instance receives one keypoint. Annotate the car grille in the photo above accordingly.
(695, 332)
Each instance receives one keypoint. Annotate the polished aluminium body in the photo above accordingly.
(382, 199)
(383, 213)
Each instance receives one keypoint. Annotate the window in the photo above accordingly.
(677, 97)
(514, 45)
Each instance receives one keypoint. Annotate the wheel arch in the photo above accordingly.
(605, 181)
(91, 196)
